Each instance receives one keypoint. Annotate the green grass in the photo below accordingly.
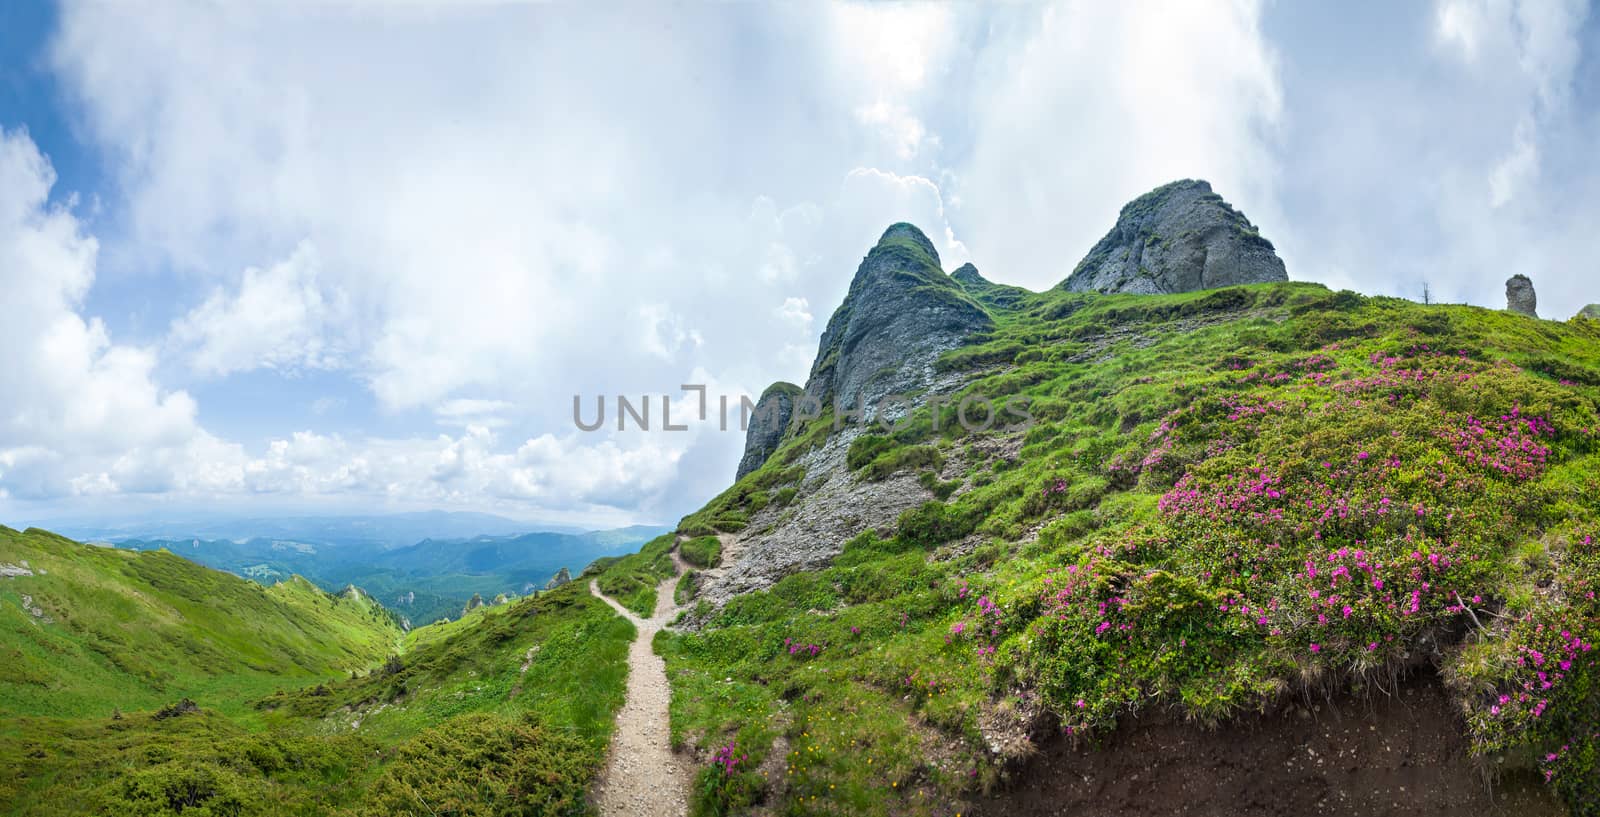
(702, 551)
(507, 711)
(1161, 494)
(632, 579)
(127, 630)
(573, 645)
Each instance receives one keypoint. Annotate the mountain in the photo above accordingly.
(141, 683)
(1260, 549)
(901, 310)
(1252, 508)
(370, 532)
(89, 629)
(423, 582)
(1179, 237)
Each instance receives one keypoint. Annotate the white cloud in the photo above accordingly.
(796, 312)
(84, 418)
(892, 47)
(889, 57)
(1517, 170)
(896, 124)
(1085, 105)
(870, 195)
(664, 332)
(584, 223)
(1505, 123)
(277, 318)
(79, 410)
(1461, 24)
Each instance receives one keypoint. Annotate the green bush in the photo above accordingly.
(941, 490)
(866, 448)
(482, 764)
(189, 788)
(718, 793)
(701, 551)
(935, 523)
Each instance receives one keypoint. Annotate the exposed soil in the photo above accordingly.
(1400, 755)
(643, 778)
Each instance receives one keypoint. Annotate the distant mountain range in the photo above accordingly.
(425, 577)
(382, 531)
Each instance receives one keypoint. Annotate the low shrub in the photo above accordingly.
(701, 551)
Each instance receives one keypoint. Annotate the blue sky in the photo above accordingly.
(321, 258)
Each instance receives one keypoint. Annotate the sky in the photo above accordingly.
(362, 257)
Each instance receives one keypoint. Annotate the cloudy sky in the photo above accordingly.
(323, 257)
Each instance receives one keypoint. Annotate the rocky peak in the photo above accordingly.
(902, 231)
(985, 291)
(769, 422)
(1180, 237)
(1520, 297)
(1592, 312)
(967, 275)
(901, 313)
(562, 576)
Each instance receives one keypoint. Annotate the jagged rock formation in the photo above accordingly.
(1520, 297)
(968, 276)
(984, 291)
(1592, 312)
(774, 410)
(472, 604)
(1179, 237)
(901, 313)
(562, 576)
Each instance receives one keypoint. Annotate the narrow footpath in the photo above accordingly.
(643, 778)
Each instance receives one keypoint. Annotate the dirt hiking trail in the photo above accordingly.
(643, 778)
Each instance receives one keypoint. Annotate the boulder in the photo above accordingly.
(1180, 237)
(562, 576)
(1520, 297)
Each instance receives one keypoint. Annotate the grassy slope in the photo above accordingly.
(137, 630)
(576, 671)
(509, 707)
(632, 579)
(1227, 495)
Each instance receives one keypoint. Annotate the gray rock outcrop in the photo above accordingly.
(901, 313)
(969, 278)
(563, 576)
(1520, 297)
(767, 425)
(1592, 312)
(985, 291)
(1180, 237)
